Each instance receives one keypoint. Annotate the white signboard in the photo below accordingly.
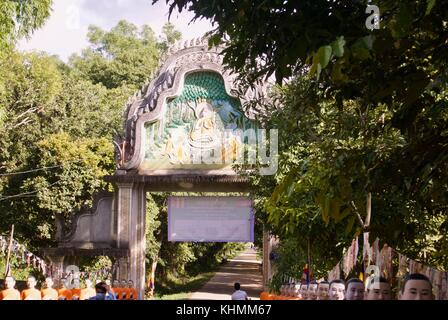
(210, 219)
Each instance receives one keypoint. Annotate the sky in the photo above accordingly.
(65, 31)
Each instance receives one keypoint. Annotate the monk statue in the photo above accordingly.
(10, 293)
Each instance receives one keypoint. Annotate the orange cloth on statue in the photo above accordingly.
(87, 293)
(264, 295)
(132, 294)
(124, 294)
(64, 294)
(269, 296)
(76, 294)
(30, 294)
(10, 294)
(117, 293)
(49, 294)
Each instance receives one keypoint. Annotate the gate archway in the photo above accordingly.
(183, 131)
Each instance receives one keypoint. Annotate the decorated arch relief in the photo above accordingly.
(189, 118)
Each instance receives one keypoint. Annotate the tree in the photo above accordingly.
(20, 18)
(170, 36)
(52, 112)
(370, 122)
(52, 116)
(57, 131)
(328, 159)
(123, 56)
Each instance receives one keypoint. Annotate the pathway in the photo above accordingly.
(245, 269)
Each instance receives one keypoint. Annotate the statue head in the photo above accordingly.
(416, 287)
(283, 290)
(378, 289)
(322, 290)
(62, 283)
(10, 282)
(304, 291)
(49, 283)
(354, 289)
(337, 289)
(31, 282)
(291, 289)
(312, 290)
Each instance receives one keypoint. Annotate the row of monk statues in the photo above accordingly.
(415, 287)
(120, 290)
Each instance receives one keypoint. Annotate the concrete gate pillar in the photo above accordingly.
(130, 217)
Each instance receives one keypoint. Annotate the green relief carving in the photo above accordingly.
(202, 118)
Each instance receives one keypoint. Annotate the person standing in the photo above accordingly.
(102, 292)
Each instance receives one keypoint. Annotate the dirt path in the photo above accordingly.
(245, 269)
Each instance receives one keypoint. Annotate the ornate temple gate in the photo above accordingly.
(183, 132)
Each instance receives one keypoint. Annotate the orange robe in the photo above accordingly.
(132, 294)
(64, 294)
(117, 293)
(124, 294)
(76, 294)
(10, 294)
(31, 294)
(49, 294)
(87, 293)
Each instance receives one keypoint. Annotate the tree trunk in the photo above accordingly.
(59, 221)
(152, 277)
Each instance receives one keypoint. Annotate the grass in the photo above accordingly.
(180, 289)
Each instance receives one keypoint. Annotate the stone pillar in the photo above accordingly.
(130, 230)
(57, 263)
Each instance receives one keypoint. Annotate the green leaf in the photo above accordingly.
(336, 74)
(429, 6)
(313, 68)
(361, 48)
(324, 55)
(337, 46)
